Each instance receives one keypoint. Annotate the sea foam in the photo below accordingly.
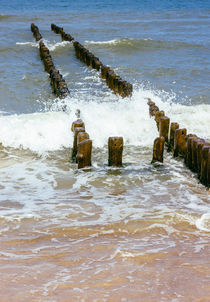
(129, 117)
(203, 223)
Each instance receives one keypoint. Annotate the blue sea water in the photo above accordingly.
(161, 44)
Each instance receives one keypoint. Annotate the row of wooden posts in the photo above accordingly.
(194, 150)
(57, 81)
(113, 81)
(82, 146)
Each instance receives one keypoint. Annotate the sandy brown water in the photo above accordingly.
(104, 234)
(116, 262)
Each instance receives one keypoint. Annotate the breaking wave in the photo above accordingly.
(144, 43)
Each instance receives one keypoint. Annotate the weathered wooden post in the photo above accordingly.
(74, 150)
(201, 143)
(129, 89)
(180, 142)
(195, 143)
(164, 127)
(158, 115)
(208, 171)
(158, 149)
(84, 153)
(173, 128)
(104, 70)
(35, 31)
(77, 123)
(204, 164)
(115, 83)
(115, 149)
(188, 157)
(153, 109)
(150, 102)
(82, 136)
(96, 63)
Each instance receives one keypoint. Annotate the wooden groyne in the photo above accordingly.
(57, 81)
(194, 150)
(35, 31)
(113, 81)
(82, 146)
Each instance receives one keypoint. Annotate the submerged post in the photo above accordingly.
(84, 153)
(158, 149)
(115, 148)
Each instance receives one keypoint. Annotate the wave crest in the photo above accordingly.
(143, 43)
(4, 17)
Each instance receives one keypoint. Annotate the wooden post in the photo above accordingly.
(35, 31)
(82, 136)
(204, 164)
(195, 143)
(208, 171)
(164, 127)
(74, 150)
(158, 115)
(84, 153)
(115, 146)
(150, 102)
(158, 149)
(180, 142)
(199, 156)
(115, 83)
(153, 109)
(188, 156)
(104, 70)
(173, 128)
(76, 124)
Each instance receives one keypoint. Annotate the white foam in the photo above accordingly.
(194, 118)
(33, 44)
(38, 132)
(114, 41)
(103, 118)
(53, 46)
(203, 223)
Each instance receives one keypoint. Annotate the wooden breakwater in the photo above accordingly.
(35, 31)
(57, 81)
(194, 150)
(113, 81)
(82, 146)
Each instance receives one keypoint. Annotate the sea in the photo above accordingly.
(101, 234)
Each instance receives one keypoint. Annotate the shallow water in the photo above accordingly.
(138, 233)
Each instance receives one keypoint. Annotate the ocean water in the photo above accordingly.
(137, 233)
